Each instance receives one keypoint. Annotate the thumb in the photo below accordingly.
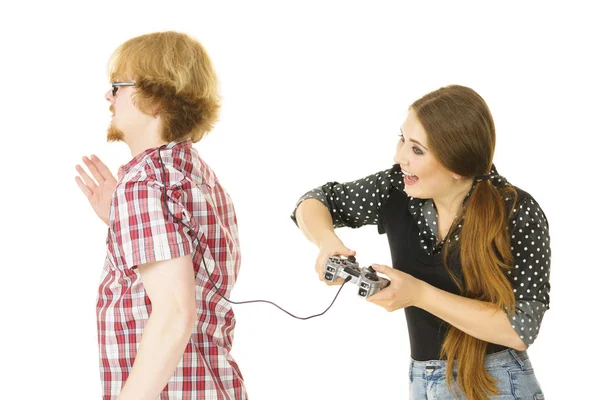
(348, 252)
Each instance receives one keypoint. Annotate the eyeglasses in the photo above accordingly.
(116, 85)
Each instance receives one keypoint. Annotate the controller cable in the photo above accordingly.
(204, 262)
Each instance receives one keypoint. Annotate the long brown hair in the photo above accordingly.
(462, 136)
(174, 78)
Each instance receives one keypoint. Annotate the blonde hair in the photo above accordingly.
(175, 79)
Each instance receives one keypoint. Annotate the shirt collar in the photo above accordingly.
(123, 169)
(424, 212)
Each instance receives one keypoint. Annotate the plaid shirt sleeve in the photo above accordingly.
(144, 230)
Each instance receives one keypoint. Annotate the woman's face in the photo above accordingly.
(424, 176)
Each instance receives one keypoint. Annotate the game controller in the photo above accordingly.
(366, 279)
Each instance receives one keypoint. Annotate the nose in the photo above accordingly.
(109, 97)
(400, 156)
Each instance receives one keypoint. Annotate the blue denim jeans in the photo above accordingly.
(512, 369)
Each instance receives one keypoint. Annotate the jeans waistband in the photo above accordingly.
(491, 360)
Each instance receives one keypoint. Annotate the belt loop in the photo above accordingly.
(514, 354)
(410, 371)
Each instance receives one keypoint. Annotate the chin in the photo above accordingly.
(410, 190)
(113, 134)
(414, 192)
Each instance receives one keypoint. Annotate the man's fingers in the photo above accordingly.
(102, 167)
(84, 189)
(91, 184)
(96, 173)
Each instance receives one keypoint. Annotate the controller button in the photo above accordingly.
(372, 277)
(362, 293)
(328, 276)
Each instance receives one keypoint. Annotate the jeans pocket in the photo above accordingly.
(525, 385)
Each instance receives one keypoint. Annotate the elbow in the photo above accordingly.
(518, 344)
(183, 322)
(187, 318)
(181, 326)
(177, 319)
(183, 309)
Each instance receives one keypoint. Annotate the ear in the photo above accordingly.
(156, 108)
(458, 177)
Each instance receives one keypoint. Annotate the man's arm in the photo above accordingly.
(171, 288)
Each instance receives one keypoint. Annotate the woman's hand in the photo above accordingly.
(403, 291)
(332, 246)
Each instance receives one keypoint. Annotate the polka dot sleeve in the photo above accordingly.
(530, 278)
(356, 203)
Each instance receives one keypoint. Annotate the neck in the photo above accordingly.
(451, 202)
(147, 138)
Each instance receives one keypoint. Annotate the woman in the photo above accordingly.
(470, 252)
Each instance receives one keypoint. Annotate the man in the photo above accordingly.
(163, 329)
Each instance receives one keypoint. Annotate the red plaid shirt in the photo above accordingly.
(141, 231)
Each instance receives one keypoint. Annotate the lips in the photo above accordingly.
(409, 178)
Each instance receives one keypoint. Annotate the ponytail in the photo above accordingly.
(485, 256)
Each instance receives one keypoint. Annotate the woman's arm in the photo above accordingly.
(476, 318)
(530, 243)
(333, 205)
(315, 222)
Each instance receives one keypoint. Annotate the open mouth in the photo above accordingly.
(409, 178)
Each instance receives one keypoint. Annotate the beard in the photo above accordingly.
(113, 134)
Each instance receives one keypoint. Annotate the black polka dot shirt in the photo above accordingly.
(358, 203)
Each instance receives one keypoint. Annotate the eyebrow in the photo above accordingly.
(413, 140)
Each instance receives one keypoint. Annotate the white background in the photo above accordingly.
(313, 92)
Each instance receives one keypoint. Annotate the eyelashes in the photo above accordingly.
(415, 149)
